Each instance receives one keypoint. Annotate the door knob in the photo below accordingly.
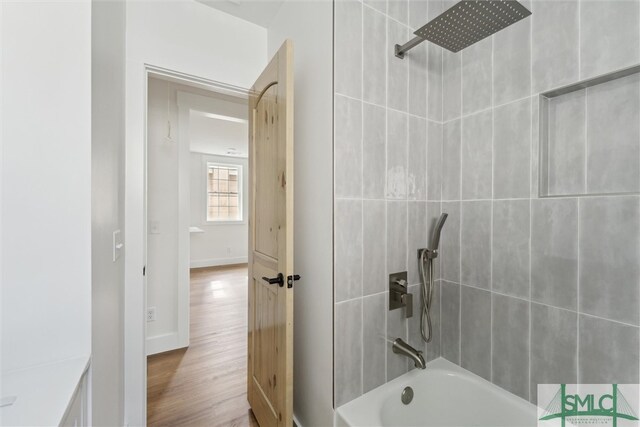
(279, 280)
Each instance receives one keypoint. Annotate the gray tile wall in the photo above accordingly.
(540, 290)
(529, 290)
(388, 157)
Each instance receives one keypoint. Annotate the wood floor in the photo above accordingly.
(205, 385)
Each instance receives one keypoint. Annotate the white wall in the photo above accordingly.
(310, 26)
(162, 213)
(46, 182)
(2, 35)
(191, 38)
(219, 244)
(107, 211)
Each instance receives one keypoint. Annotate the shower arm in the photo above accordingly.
(401, 50)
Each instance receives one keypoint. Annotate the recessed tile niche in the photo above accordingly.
(590, 137)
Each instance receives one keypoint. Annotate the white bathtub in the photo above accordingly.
(444, 395)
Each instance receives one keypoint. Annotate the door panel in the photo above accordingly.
(270, 334)
(266, 318)
(266, 157)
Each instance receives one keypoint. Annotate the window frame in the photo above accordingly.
(239, 167)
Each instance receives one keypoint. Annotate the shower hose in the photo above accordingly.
(426, 273)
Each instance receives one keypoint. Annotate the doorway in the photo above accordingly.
(196, 253)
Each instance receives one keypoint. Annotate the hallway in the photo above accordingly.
(205, 385)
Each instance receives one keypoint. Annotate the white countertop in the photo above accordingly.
(43, 392)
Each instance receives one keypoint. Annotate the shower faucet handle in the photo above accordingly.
(399, 295)
(401, 282)
(407, 300)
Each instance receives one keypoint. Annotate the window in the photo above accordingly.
(224, 193)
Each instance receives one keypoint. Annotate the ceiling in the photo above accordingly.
(219, 135)
(260, 12)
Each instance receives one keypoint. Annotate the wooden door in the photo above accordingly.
(270, 361)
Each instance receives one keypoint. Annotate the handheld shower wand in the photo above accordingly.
(435, 236)
(426, 257)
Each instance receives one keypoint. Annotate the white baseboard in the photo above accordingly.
(162, 343)
(296, 422)
(215, 262)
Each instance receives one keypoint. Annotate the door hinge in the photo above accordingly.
(291, 279)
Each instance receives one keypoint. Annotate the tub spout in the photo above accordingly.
(401, 347)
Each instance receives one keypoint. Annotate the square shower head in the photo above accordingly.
(470, 21)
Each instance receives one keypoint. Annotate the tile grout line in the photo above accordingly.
(406, 175)
(460, 219)
(406, 186)
(460, 203)
(441, 165)
(425, 345)
(426, 112)
(362, 199)
(608, 320)
(578, 300)
(530, 281)
(524, 299)
(514, 199)
(334, 397)
(357, 298)
(407, 26)
(530, 196)
(413, 117)
(586, 140)
(484, 110)
(492, 213)
(342, 95)
(579, 2)
(386, 203)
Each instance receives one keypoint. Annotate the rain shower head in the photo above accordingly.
(466, 23)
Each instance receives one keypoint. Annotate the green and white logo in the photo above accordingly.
(588, 404)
